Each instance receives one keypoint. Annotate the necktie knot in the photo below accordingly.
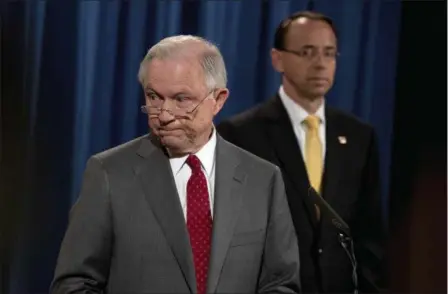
(312, 122)
(194, 163)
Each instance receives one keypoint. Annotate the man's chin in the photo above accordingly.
(173, 143)
(316, 94)
(319, 91)
(169, 140)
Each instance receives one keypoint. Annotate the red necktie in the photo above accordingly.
(199, 221)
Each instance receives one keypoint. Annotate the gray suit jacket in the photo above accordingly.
(127, 232)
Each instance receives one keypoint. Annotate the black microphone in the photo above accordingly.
(336, 220)
(344, 235)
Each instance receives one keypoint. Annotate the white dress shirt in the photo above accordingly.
(182, 172)
(297, 115)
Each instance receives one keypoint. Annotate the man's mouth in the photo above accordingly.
(167, 132)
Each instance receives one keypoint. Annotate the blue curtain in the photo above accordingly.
(77, 88)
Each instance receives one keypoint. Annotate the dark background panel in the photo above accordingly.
(419, 180)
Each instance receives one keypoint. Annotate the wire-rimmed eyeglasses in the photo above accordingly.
(181, 109)
(310, 53)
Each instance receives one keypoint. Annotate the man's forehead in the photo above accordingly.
(175, 65)
(171, 67)
(171, 90)
(171, 76)
(169, 63)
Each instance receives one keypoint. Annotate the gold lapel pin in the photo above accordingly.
(342, 140)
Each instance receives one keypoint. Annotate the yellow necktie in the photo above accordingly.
(313, 154)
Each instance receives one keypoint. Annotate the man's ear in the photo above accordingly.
(277, 61)
(221, 96)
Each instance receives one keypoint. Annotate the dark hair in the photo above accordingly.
(282, 29)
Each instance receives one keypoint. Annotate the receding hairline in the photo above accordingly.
(190, 47)
(301, 23)
(283, 28)
(192, 54)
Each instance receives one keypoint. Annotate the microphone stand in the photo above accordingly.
(343, 231)
(347, 243)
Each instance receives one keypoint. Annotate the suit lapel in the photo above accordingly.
(281, 133)
(159, 186)
(228, 199)
(333, 158)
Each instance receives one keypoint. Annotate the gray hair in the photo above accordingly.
(210, 58)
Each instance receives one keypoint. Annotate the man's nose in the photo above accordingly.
(165, 116)
(319, 61)
(165, 113)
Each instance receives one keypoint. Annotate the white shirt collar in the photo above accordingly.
(296, 112)
(206, 155)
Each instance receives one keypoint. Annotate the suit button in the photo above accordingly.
(320, 251)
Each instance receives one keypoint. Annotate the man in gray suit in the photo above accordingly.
(180, 210)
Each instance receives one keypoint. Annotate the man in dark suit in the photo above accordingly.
(153, 218)
(316, 145)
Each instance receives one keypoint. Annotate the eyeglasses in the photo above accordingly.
(310, 53)
(183, 107)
